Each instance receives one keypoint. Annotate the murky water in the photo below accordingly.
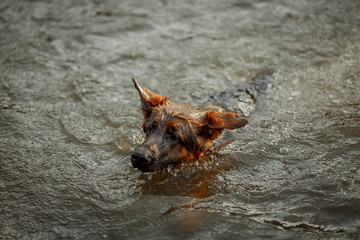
(70, 118)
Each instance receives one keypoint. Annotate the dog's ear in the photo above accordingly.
(214, 123)
(149, 100)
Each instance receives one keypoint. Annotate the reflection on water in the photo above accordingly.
(70, 118)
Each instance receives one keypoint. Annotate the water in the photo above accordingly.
(70, 117)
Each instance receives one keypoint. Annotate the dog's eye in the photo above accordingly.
(150, 128)
(173, 133)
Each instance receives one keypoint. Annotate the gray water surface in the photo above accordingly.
(70, 117)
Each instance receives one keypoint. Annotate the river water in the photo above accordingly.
(70, 117)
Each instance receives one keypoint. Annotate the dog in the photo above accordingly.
(177, 133)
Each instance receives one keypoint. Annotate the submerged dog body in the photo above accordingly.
(177, 132)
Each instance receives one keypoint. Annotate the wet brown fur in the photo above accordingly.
(177, 132)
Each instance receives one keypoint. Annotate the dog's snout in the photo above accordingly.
(140, 157)
(140, 160)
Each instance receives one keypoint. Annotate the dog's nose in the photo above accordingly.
(140, 160)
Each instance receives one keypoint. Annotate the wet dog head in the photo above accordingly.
(176, 132)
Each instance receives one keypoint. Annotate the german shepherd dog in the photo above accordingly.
(177, 132)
